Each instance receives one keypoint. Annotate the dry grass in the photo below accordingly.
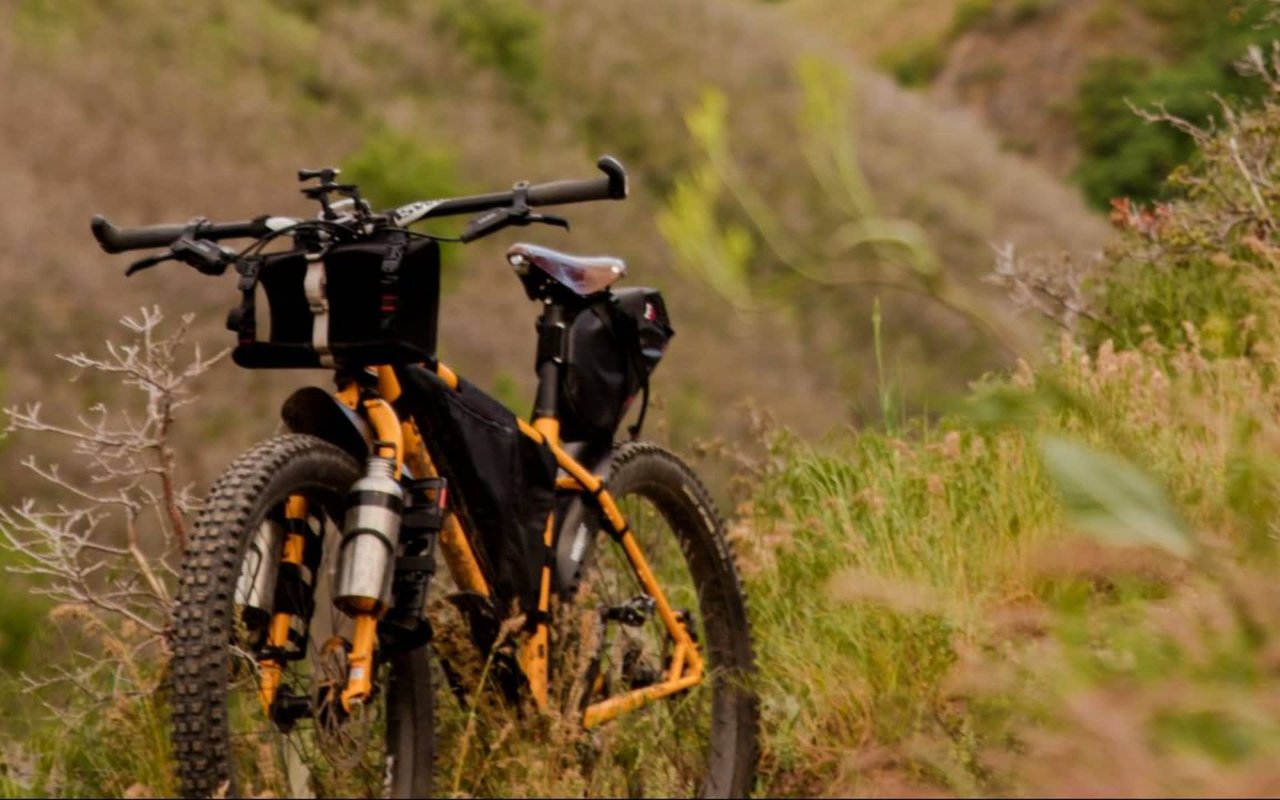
(925, 609)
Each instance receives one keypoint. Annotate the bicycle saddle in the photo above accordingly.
(583, 275)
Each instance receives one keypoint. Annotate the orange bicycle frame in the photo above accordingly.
(686, 667)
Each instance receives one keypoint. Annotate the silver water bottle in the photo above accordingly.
(370, 535)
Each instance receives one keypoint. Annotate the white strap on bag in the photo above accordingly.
(314, 287)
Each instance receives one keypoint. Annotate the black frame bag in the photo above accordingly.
(500, 481)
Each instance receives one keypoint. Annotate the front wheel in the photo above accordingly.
(702, 742)
(225, 744)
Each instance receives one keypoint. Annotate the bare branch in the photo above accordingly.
(106, 554)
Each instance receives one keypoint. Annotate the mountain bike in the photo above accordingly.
(590, 580)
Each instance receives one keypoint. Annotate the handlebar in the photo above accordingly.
(118, 240)
(612, 186)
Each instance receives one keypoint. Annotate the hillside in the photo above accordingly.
(208, 111)
(1053, 78)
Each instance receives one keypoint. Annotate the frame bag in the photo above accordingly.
(500, 481)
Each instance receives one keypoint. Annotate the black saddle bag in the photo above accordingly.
(501, 482)
(356, 304)
(614, 346)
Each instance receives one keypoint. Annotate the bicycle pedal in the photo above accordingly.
(635, 672)
(399, 636)
(481, 617)
(288, 708)
(633, 613)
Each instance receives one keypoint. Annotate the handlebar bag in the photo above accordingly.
(353, 305)
(614, 345)
(501, 482)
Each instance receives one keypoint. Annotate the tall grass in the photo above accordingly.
(927, 616)
(933, 619)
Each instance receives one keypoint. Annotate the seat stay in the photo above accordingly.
(687, 667)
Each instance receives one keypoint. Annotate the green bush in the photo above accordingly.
(505, 35)
(21, 621)
(1023, 11)
(915, 63)
(970, 14)
(1205, 256)
(1145, 300)
(1122, 155)
(393, 168)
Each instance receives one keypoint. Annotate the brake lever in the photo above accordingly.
(494, 221)
(487, 223)
(518, 213)
(545, 219)
(208, 257)
(148, 262)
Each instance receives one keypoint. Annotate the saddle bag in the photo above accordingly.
(351, 305)
(501, 482)
(614, 345)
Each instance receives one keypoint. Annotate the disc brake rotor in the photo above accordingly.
(344, 736)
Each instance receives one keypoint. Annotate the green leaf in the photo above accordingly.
(1112, 499)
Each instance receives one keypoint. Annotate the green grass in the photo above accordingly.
(1067, 587)
(926, 596)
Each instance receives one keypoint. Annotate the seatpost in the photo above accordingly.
(553, 346)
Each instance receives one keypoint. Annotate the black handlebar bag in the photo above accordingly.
(349, 305)
(501, 481)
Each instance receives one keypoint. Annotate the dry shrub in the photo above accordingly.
(106, 554)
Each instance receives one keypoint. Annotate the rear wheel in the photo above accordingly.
(703, 741)
(224, 742)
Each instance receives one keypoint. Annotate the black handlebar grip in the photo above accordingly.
(118, 240)
(617, 175)
(613, 186)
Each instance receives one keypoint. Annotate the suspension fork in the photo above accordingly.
(388, 444)
(401, 440)
(295, 543)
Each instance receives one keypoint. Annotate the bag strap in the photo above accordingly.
(631, 334)
(242, 320)
(634, 430)
(397, 242)
(315, 289)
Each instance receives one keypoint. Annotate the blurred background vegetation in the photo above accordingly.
(817, 188)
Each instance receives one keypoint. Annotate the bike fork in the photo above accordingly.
(295, 543)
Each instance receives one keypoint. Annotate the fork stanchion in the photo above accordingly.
(270, 669)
